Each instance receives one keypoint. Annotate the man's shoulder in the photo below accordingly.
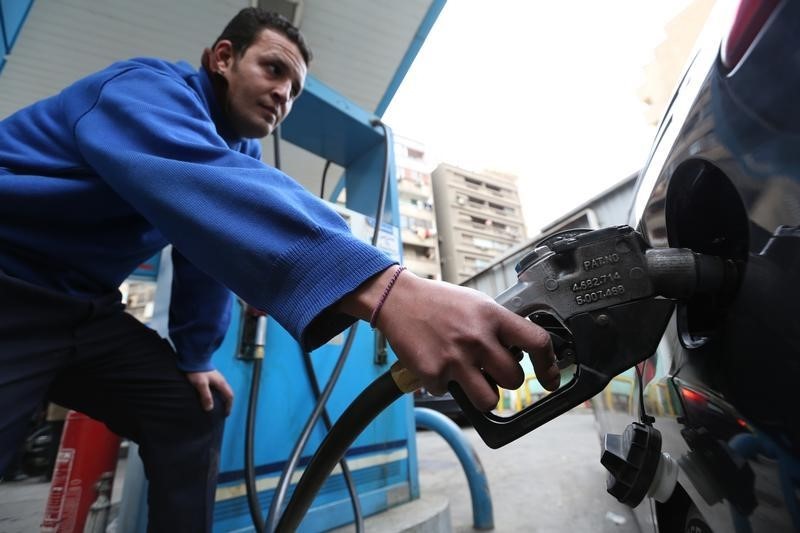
(177, 70)
(131, 76)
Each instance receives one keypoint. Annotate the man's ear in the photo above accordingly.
(222, 57)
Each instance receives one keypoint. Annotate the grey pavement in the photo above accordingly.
(22, 503)
(548, 481)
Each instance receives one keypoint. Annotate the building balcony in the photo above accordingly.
(486, 192)
(511, 232)
(420, 237)
(417, 212)
(425, 268)
(410, 186)
(468, 211)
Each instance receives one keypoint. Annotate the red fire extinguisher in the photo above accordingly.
(83, 475)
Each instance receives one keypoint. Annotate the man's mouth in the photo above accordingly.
(270, 113)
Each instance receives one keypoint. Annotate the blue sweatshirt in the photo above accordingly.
(98, 178)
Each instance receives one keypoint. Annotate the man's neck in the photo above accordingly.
(219, 87)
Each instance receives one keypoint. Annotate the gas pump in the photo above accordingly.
(383, 458)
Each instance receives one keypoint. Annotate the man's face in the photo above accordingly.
(262, 84)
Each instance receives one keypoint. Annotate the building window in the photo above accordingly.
(503, 209)
(486, 244)
(415, 154)
(419, 203)
(473, 182)
(423, 228)
(422, 253)
(463, 199)
(475, 262)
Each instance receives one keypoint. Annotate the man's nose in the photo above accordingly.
(282, 92)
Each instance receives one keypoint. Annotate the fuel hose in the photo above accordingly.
(675, 273)
(253, 503)
(284, 481)
(320, 397)
(379, 395)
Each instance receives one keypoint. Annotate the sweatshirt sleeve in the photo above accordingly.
(244, 224)
(199, 315)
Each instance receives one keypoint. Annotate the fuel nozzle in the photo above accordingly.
(611, 297)
(681, 273)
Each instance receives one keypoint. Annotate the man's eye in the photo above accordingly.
(274, 69)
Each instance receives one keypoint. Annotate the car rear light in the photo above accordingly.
(750, 18)
(692, 396)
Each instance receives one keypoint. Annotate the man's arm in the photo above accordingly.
(248, 226)
(199, 315)
(263, 236)
(443, 332)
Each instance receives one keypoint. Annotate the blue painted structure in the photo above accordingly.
(413, 49)
(482, 511)
(12, 16)
(382, 459)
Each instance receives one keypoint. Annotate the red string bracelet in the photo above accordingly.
(386, 292)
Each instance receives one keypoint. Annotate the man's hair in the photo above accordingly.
(247, 25)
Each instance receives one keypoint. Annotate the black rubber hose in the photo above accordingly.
(283, 483)
(379, 395)
(348, 477)
(324, 177)
(286, 475)
(249, 439)
(255, 384)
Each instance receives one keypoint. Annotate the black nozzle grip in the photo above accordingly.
(497, 431)
(607, 342)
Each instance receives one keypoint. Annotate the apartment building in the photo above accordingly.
(479, 217)
(417, 220)
(670, 57)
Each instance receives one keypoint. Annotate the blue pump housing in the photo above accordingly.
(383, 459)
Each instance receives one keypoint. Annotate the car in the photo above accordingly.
(444, 404)
(723, 178)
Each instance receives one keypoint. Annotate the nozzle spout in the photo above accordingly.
(681, 273)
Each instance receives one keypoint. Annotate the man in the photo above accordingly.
(146, 153)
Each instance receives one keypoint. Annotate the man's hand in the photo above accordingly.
(203, 382)
(442, 333)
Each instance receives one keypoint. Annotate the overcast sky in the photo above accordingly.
(546, 90)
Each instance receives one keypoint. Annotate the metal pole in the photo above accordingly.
(482, 514)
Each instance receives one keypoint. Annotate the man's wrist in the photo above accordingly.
(361, 303)
(373, 319)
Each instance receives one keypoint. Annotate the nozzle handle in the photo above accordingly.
(604, 347)
(497, 431)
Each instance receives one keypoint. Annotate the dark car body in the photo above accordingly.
(444, 404)
(723, 178)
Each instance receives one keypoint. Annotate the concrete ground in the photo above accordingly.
(22, 502)
(548, 481)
